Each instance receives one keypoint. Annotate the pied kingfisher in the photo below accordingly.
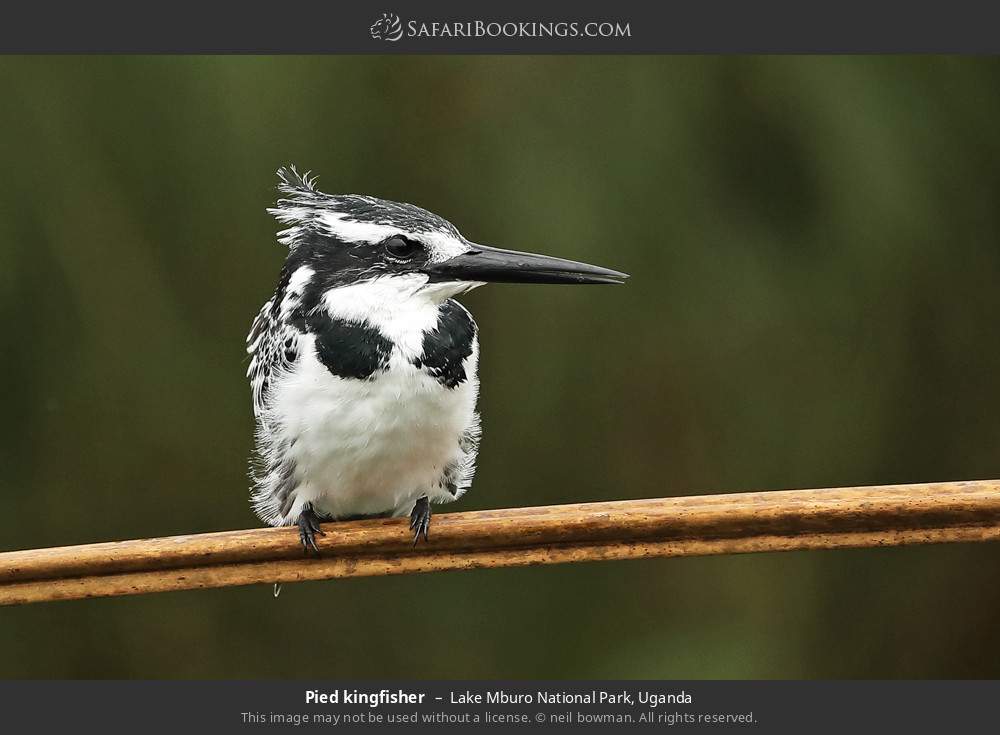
(363, 366)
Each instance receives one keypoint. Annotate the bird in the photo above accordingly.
(362, 365)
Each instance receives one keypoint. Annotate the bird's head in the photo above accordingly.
(401, 249)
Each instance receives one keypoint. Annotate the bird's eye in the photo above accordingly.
(400, 247)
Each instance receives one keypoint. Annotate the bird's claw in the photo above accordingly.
(308, 524)
(420, 519)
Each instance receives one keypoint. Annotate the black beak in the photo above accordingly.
(493, 265)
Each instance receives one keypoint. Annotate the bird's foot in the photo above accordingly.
(420, 518)
(308, 524)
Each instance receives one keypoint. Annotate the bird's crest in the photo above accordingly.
(304, 209)
(298, 205)
(292, 183)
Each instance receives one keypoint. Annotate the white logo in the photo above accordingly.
(387, 28)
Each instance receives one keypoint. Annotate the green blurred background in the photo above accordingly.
(814, 245)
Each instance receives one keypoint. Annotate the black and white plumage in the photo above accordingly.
(363, 367)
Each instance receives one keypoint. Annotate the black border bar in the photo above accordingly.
(516, 27)
(778, 707)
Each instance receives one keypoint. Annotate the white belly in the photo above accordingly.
(370, 446)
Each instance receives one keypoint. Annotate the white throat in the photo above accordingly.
(402, 307)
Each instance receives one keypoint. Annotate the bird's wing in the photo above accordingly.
(272, 346)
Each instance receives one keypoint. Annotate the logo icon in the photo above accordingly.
(387, 28)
